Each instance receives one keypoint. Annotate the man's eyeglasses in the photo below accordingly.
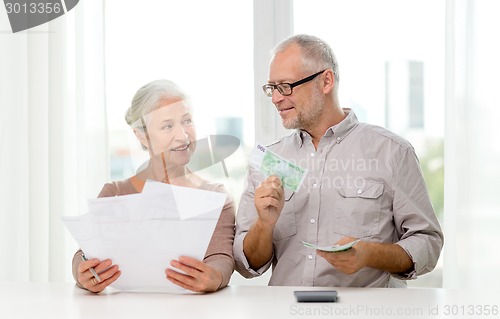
(287, 88)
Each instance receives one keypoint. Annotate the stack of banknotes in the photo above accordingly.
(270, 163)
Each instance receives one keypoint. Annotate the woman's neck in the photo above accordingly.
(179, 175)
(189, 180)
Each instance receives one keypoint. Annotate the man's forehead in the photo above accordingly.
(286, 64)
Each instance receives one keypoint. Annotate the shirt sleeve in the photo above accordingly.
(418, 229)
(246, 217)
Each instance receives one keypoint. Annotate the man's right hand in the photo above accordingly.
(269, 200)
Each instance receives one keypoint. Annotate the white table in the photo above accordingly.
(64, 300)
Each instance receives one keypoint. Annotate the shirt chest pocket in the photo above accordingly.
(358, 209)
(286, 226)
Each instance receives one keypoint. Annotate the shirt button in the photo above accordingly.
(338, 139)
(359, 191)
(313, 220)
(312, 154)
(315, 185)
(310, 257)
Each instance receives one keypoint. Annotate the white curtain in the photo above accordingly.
(472, 145)
(53, 139)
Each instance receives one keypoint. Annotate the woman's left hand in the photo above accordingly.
(197, 277)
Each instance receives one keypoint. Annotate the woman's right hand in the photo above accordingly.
(107, 272)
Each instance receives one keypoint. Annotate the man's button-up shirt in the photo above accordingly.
(362, 181)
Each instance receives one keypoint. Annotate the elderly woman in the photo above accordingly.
(162, 122)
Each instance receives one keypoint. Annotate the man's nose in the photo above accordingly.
(277, 96)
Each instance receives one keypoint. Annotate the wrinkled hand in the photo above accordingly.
(269, 200)
(349, 261)
(107, 272)
(197, 277)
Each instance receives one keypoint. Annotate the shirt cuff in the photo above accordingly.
(412, 274)
(224, 264)
(242, 265)
(416, 258)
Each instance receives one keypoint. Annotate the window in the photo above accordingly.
(206, 47)
(391, 62)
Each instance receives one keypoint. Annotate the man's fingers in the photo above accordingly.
(264, 191)
(272, 182)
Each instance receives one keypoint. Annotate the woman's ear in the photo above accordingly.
(329, 81)
(141, 136)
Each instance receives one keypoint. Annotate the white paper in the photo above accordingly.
(142, 233)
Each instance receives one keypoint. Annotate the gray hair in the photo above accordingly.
(148, 99)
(316, 53)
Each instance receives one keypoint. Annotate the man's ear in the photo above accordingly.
(141, 136)
(328, 81)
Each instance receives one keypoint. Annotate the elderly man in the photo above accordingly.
(363, 182)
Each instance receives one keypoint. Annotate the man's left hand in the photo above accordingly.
(349, 261)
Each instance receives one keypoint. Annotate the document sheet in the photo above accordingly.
(142, 233)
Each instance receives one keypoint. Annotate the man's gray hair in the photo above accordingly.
(316, 53)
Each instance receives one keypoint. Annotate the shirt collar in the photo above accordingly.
(339, 131)
(342, 129)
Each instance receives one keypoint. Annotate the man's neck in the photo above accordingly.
(331, 117)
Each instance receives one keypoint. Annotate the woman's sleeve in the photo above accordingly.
(219, 253)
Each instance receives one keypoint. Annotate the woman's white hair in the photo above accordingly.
(148, 99)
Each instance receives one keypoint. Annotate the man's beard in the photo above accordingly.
(307, 120)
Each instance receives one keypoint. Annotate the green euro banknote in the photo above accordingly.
(333, 248)
(270, 163)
